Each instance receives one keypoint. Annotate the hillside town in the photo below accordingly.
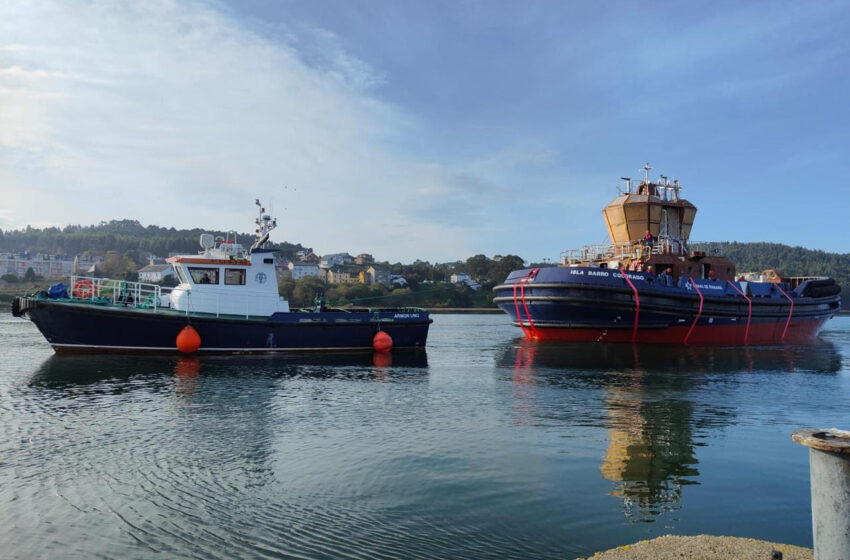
(334, 268)
(16, 265)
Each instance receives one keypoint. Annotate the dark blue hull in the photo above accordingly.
(71, 327)
(585, 304)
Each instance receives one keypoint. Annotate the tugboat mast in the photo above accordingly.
(649, 193)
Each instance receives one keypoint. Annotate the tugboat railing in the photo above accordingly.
(708, 247)
(638, 250)
(116, 292)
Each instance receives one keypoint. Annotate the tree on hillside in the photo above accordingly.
(500, 269)
(478, 266)
(115, 265)
(285, 287)
(305, 291)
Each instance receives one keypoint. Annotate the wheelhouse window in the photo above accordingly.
(204, 275)
(180, 275)
(234, 276)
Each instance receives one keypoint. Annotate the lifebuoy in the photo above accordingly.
(84, 289)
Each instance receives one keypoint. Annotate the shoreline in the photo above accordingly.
(703, 547)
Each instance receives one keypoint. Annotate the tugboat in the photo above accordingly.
(652, 285)
(227, 302)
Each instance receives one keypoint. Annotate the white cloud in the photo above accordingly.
(178, 114)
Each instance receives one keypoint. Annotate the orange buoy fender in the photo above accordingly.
(382, 342)
(188, 340)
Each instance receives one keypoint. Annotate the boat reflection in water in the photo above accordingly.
(652, 406)
(163, 441)
(119, 370)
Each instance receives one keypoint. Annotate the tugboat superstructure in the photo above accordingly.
(652, 284)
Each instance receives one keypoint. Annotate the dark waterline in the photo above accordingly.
(485, 447)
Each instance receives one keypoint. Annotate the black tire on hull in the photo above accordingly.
(16, 307)
(822, 288)
(825, 291)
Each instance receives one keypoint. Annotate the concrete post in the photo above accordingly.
(829, 462)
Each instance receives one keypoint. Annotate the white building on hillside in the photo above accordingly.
(155, 272)
(49, 266)
(303, 269)
(465, 280)
(336, 259)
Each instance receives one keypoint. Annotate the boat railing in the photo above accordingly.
(636, 250)
(117, 292)
(592, 253)
(710, 248)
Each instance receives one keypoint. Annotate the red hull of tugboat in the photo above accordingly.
(798, 332)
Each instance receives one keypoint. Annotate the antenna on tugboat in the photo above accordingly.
(628, 181)
(676, 188)
(646, 169)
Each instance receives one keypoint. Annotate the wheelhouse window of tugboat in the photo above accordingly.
(234, 276)
(204, 275)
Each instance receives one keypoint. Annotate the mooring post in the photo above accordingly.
(829, 468)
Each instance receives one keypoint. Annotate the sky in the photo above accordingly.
(430, 130)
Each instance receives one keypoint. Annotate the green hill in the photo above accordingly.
(791, 261)
(121, 236)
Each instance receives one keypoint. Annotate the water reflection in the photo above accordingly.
(647, 404)
(819, 358)
(165, 441)
(59, 371)
(650, 453)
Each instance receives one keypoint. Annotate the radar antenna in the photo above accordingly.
(265, 225)
(207, 242)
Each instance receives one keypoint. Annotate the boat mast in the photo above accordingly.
(646, 169)
(265, 224)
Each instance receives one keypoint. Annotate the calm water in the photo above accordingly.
(486, 447)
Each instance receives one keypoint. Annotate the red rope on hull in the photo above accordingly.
(637, 303)
(790, 312)
(516, 306)
(532, 331)
(699, 312)
(749, 310)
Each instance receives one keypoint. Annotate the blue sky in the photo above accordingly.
(432, 130)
